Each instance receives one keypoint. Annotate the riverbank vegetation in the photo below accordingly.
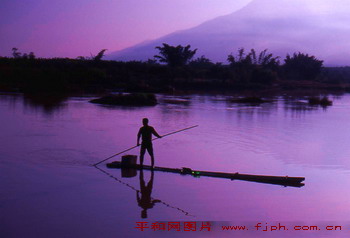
(132, 99)
(176, 69)
(324, 101)
(248, 100)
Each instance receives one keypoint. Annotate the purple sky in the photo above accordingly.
(71, 28)
(66, 28)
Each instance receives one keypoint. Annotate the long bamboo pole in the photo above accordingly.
(168, 134)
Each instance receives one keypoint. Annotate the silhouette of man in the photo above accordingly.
(146, 133)
(145, 201)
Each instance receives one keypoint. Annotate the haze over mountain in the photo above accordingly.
(281, 26)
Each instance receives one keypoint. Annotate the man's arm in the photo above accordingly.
(138, 137)
(155, 133)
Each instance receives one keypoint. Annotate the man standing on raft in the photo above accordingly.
(146, 132)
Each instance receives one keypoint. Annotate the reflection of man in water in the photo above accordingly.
(145, 201)
(146, 132)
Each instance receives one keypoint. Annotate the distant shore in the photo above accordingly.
(67, 76)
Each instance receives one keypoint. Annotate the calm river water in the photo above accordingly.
(50, 189)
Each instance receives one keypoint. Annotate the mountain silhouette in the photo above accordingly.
(281, 26)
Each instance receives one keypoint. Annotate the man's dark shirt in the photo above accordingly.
(146, 133)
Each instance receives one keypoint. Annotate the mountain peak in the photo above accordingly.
(282, 26)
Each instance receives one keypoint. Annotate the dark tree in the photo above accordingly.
(15, 53)
(252, 59)
(254, 68)
(31, 55)
(302, 67)
(240, 60)
(201, 62)
(100, 54)
(266, 60)
(175, 55)
(18, 55)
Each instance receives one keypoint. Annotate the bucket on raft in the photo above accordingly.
(129, 160)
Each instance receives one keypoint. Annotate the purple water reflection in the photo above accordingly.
(49, 188)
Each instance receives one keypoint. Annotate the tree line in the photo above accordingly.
(173, 67)
(298, 66)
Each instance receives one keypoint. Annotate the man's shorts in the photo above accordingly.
(148, 147)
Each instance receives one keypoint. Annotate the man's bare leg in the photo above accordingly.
(152, 161)
(141, 160)
(142, 154)
(150, 152)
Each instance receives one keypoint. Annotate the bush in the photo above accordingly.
(302, 67)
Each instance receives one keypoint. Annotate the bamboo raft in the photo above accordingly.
(279, 180)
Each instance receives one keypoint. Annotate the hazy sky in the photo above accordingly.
(71, 28)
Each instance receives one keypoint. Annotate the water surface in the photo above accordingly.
(50, 189)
